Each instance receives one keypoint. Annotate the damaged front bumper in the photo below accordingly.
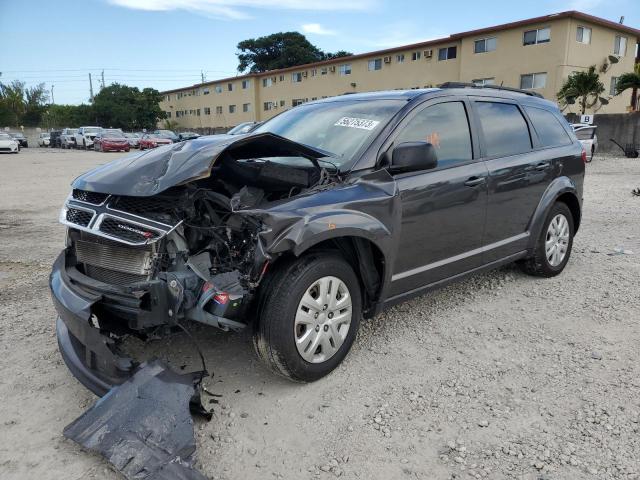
(88, 342)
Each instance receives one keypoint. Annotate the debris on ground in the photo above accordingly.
(144, 426)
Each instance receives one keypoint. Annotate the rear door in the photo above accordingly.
(520, 169)
(443, 209)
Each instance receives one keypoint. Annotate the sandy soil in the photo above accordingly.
(500, 376)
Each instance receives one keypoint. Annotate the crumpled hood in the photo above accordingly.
(149, 173)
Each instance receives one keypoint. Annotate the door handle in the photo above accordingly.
(542, 166)
(474, 181)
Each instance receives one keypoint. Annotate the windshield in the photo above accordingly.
(17, 135)
(341, 127)
(112, 135)
(585, 133)
(91, 130)
(4, 136)
(240, 129)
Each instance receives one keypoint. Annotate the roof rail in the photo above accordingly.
(494, 87)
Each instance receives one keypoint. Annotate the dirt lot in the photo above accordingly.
(501, 376)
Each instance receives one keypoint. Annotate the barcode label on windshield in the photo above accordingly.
(361, 123)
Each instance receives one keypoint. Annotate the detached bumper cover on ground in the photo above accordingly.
(143, 427)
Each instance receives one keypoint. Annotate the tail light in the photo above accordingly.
(584, 155)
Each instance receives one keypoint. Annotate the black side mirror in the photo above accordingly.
(413, 156)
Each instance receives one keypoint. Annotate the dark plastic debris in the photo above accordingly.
(144, 426)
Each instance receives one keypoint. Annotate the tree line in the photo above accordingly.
(116, 106)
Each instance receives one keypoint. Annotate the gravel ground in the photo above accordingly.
(500, 376)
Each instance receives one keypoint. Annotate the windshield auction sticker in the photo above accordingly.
(361, 123)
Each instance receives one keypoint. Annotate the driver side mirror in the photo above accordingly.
(413, 156)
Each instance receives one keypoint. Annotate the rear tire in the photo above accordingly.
(287, 329)
(546, 260)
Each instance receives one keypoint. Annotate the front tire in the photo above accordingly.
(309, 317)
(553, 247)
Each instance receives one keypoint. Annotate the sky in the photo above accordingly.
(168, 44)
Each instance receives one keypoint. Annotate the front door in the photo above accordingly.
(443, 210)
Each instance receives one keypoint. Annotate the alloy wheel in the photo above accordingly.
(557, 240)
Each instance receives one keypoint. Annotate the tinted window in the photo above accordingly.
(548, 127)
(446, 127)
(505, 129)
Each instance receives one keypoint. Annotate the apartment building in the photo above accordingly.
(536, 54)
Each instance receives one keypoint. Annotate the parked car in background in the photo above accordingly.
(68, 137)
(167, 134)
(111, 141)
(188, 136)
(133, 139)
(20, 138)
(8, 144)
(85, 135)
(587, 135)
(243, 128)
(44, 139)
(55, 138)
(153, 140)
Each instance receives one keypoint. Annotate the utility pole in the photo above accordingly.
(53, 100)
(102, 78)
(202, 75)
(90, 88)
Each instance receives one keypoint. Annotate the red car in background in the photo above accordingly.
(111, 141)
(153, 140)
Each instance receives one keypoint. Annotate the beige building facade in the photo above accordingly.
(536, 54)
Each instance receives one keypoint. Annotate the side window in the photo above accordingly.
(446, 127)
(549, 129)
(505, 129)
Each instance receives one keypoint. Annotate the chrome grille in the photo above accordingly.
(79, 217)
(89, 197)
(132, 232)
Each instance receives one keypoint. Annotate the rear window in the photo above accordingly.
(585, 133)
(505, 129)
(549, 129)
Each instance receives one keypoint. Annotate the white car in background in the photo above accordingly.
(587, 135)
(85, 135)
(68, 137)
(44, 139)
(8, 144)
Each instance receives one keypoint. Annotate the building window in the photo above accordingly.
(345, 69)
(620, 46)
(296, 77)
(324, 70)
(583, 34)
(314, 72)
(205, 91)
(532, 81)
(400, 58)
(481, 82)
(167, 98)
(415, 56)
(246, 84)
(614, 84)
(282, 103)
(246, 107)
(267, 82)
(297, 101)
(268, 106)
(218, 88)
(168, 114)
(447, 53)
(484, 45)
(219, 110)
(375, 64)
(540, 35)
(230, 87)
(207, 111)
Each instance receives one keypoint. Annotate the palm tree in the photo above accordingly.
(630, 80)
(584, 87)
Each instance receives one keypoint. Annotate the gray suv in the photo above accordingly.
(324, 215)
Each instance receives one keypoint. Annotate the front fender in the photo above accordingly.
(556, 188)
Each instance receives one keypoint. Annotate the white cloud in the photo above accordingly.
(316, 29)
(235, 9)
(402, 33)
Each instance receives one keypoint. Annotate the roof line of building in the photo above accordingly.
(453, 37)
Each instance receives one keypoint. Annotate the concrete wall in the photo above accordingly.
(624, 128)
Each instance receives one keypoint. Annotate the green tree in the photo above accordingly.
(280, 50)
(630, 80)
(121, 106)
(583, 87)
(36, 99)
(12, 103)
